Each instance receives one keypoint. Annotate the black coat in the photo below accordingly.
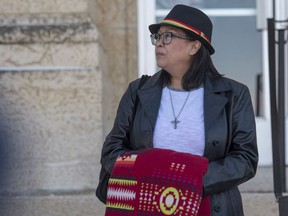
(230, 136)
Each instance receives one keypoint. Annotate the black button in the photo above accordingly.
(215, 143)
(217, 208)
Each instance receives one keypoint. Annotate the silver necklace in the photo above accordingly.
(176, 121)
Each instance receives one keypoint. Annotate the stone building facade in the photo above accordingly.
(64, 65)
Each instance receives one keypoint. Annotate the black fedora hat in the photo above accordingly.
(190, 19)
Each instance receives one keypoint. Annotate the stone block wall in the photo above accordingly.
(64, 65)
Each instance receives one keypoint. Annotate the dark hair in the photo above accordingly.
(202, 64)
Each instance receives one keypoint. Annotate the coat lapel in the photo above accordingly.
(214, 105)
(150, 98)
(214, 100)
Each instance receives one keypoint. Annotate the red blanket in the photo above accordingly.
(157, 182)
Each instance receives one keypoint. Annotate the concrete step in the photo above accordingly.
(262, 182)
(257, 194)
(255, 204)
(69, 205)
(260, 204)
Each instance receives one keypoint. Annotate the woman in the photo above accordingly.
(189, 107)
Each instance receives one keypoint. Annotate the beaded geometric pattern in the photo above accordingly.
(156, 182)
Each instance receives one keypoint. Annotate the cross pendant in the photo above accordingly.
(175, 122)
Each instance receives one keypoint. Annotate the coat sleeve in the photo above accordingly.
(117, 141)
(240, 162)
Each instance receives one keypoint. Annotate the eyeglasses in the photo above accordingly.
(166, 37)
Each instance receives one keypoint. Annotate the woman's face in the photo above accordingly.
(177, 56)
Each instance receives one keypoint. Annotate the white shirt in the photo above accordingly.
(189, 136)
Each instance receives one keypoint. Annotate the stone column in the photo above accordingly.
(51, 128)
(116, 21)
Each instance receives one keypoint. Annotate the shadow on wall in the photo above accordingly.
(7, 157)
(6, 153)
(4, 158)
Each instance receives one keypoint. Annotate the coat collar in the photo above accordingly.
(214, 89)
